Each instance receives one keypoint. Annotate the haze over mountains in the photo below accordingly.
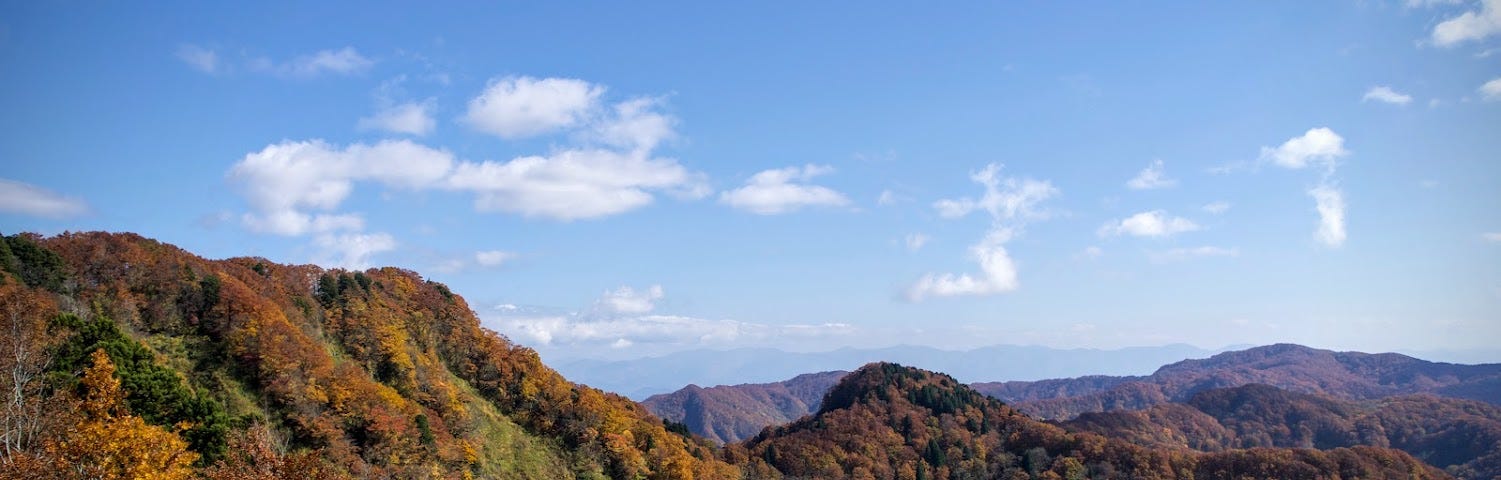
(643, 377)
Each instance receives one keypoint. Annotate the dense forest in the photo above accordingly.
(889, 421)
(291, 371)
(1461, 436)
(129, 358)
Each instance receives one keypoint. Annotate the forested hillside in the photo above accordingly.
(1348, 375)
(729, 414)
(1462, 436)
(890, 421)
(222, 367)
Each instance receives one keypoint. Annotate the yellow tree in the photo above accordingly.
(110, 444)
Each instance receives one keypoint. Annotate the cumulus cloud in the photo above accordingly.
(1330, 203)
(1316, 146)
(1155, 223)
(27, 199)
(1011, 204)
(1386, 95)
(520, 107)
(285, 182)
(352, 250)
(1469, 26)
(997, 273)
(1179, 254)
(1151, 178)
(627, 300)
(411, 118)
(1491, 91)
(1324, 147)
(344, 61)
(202, 59)
(783, 190)
(1216, 208)
(573, 184)
(1004, 199)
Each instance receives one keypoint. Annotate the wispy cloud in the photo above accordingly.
(1216, 208)
(1330, 203)
(784, 190)
(1323, 147)
(1155, 223)
(1385, 94)
(344, 61)
(1011, 203)
(27, 199)
(1151, 178)
(200, 58)
(915, 241)
(411, 118)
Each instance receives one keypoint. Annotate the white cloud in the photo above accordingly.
(412, 118)
(1178, 254)
(783, 190)
(1331, 206)
(915, 241)
(492, 258)
(1216, 208)
(1155, 223)
(1320, 145)
(886, 198)
(656, 330)
(27, 199)
(1387, 95)
(997, 273)
(1468, 26)
(352, 250)
(1150, 178)
(1005, 198)
(628, 300)
(345, 61)
(636, 125)
(1491, 91)
(1491, 236)
(520, 107)
(573, 184)
(200, 58)
(1011, 203)
(284, 181)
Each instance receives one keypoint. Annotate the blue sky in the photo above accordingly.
(621, 180)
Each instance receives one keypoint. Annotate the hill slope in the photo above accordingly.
(1462, 436)
(1348, 375)
(373, 374)
(728, 414)
(889, 421)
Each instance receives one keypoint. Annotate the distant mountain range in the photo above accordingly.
(643, 377)
(1346, 375)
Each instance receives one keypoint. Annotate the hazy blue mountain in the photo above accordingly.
(643, 377)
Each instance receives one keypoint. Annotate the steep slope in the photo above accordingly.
(889, 421)
(728, 414)
(1461, 436)
(643, 377)
(373, 374)
(1349, 375)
